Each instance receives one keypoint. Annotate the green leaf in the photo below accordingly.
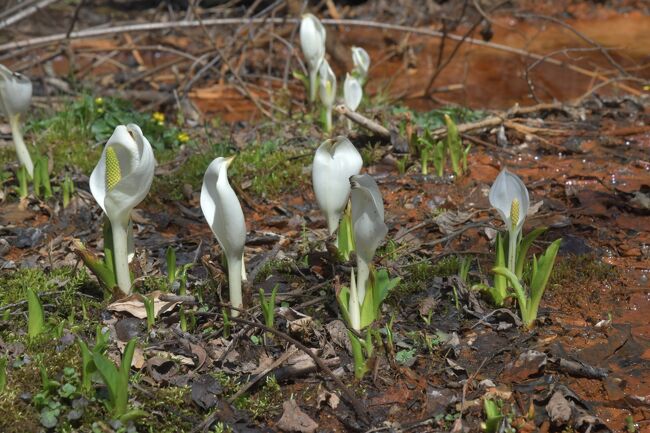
(404, 356)
(454, 145)
(3, 374)
(87, 366)
(360, 368)
(541, 273)
(171, 264)
(109, 374)
(36, 180)
(67, 390)
(493, 415)
(49, 417)
(379, 285)
(45, 178)
(116, 380)
(268, 307)
(465, 154)
(439, 158)
(36, 315)
(132, 415)
(343, 297)
(21, 177)
(524, 245)
(346, 235)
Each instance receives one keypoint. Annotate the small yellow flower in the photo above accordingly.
(646, 88)
(159, 118)
(99, 100)
(100, 110)
(183, 137)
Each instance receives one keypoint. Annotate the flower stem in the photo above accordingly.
(234, 283)
(19, 143)
(328, 119)
(121, 256)
(512, 250)
(313, 85)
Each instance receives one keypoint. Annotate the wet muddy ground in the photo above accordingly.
(584, 367)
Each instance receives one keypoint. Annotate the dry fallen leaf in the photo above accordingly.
(134, 305)
(295, 420)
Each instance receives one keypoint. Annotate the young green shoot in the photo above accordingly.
(44, 174)
(3, 374)
(493, 416)
(21, 178)
(227, 324)
(268, 307)
(170, 256)
(116, 380)
(36, 315)
(457, 153)
(541, 271)
(149, 308)
(402, 165)
(87, 361)
(67, 190)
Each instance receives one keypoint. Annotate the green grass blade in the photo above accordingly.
(524, 245)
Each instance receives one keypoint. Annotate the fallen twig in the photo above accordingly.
(363, 121)
(286, 355)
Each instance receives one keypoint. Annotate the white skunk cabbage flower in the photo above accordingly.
(15, 97)
(119, 182)
(312, 41)
(361, 61)
(335, 161)
(368, 225)
(225, 216)
(509, 196)
(327, 92)
(352, 92)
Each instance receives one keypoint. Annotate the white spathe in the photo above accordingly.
(334, 162)
(506, 188)
(224, 214)
(368, 225)
(361, 61)
(354, 306)
(119, 185)
(352, 92)
(509, 196)
(15, 97)
(312, 42)
(327, 92)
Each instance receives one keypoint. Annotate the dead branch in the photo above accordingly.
(147, 27)
(24, 13)
(360, 119)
